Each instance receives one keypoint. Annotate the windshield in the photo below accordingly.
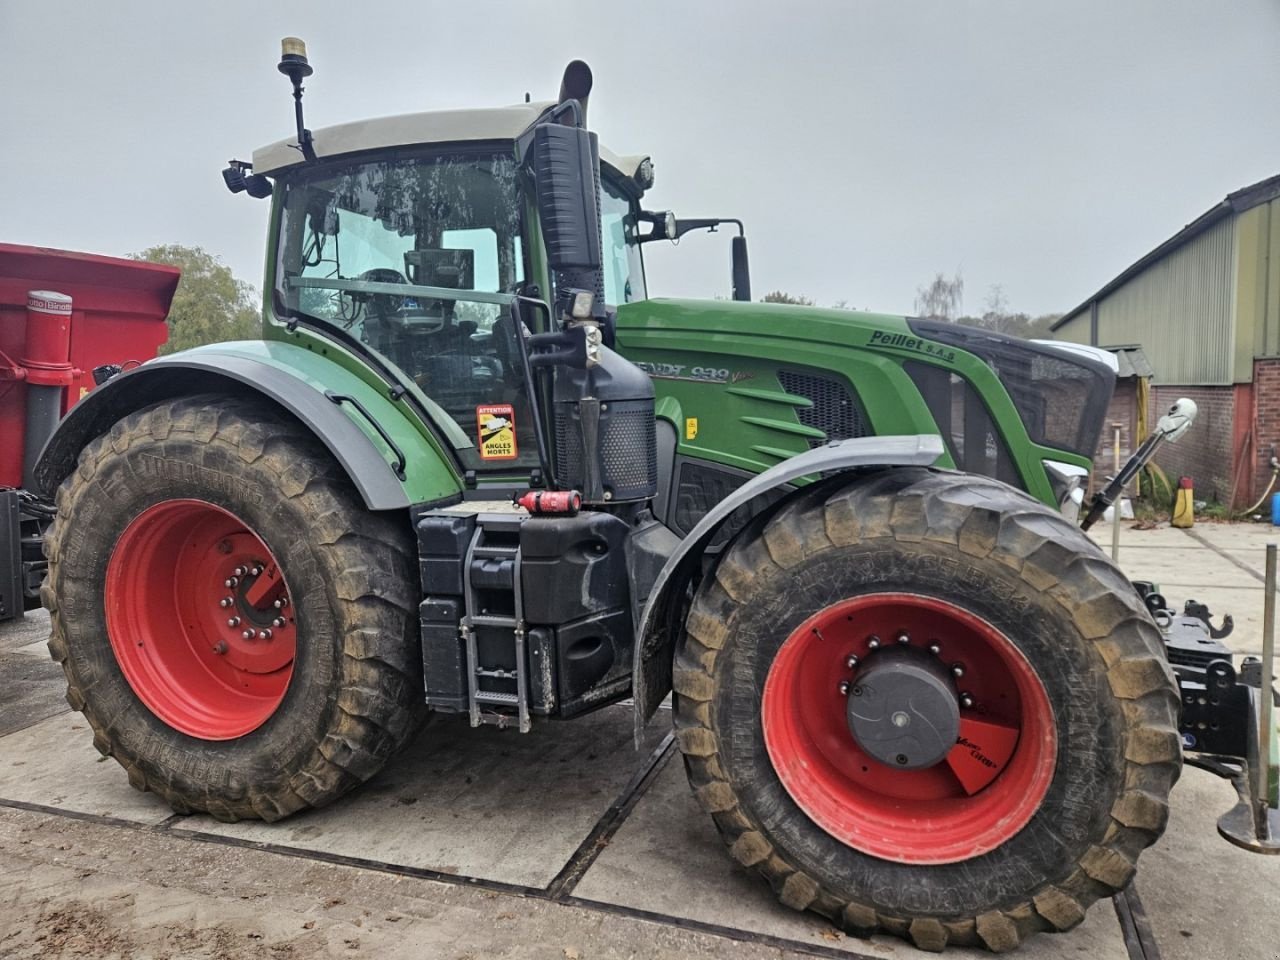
(349, 235)
(623, 269)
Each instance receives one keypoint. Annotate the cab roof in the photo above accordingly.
(432, 127)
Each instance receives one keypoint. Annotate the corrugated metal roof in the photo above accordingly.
(1133, 362)
(1237, 202)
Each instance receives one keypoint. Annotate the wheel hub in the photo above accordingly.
(903, 708)
(251, 616)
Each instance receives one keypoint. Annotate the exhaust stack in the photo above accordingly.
(576, 85)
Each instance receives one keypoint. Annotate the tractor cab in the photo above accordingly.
(407, 239)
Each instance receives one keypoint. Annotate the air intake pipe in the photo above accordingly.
(604, 405)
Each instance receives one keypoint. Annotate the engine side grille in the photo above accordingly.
(835, 411)
(628, 449)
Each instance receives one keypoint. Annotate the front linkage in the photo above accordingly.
(1226, 725)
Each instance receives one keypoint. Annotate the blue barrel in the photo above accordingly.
(1275, 509)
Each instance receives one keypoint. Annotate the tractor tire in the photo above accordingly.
(238, 630)
(1067, 741)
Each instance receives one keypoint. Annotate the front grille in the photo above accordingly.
(1061, 399)
(965, 423)
(835, 411)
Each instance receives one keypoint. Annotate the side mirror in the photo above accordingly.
(741, 269)
(564, 161)
(1178, 420)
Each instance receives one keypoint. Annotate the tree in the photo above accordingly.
(778, 296)
(210, 305)
(941, 299)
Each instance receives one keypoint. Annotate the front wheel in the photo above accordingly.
(238, 630)
(924, 704)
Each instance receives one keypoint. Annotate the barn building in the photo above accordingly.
(1204, 306)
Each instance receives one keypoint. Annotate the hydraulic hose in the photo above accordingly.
(1275, 470)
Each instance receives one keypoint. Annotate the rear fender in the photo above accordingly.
(301, 392)
(659, 626)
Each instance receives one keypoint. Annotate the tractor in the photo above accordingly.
(473, 468)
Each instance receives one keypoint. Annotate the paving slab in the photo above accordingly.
(480, 802)
(33, 687)
(54, 764)
(30, 691)
(24, 631)
(1207, 899)
(1189, 568)
(669, 859)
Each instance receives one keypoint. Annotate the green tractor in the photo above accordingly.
(472, 468)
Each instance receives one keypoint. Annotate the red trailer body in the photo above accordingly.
(118, 315)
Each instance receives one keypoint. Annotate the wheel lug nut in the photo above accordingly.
(935, 649)
(278, 622)
(266, 633)
(225, 602)
(256, 571)
(957, 669)
(851, 661)
(249, 634)
(904, 637)
(220, 647)
(233, 622)
(966, 700)
(874, 643)
(844, 688)
(239, 571)
(231, 582)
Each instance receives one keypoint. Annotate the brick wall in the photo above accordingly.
(1206, 453)
(1123, 410)
(1266, 398)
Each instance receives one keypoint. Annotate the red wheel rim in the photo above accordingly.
(981, 794)
(199, 619)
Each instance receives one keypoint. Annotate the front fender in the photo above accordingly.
(656, 636)
(295, 380)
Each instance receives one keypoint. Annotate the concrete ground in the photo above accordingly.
(564, 844)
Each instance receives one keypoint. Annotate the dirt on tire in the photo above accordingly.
(992, 550)
(355, 695)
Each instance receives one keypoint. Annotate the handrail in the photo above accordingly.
(401, 290)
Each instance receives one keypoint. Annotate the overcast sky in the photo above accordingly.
(1039, 146)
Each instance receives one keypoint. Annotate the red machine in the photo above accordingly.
(62, 315)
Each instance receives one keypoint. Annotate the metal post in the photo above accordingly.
(1115, 507)
(1268, 671)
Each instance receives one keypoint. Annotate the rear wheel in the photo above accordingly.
(238, 630)
(924, 704)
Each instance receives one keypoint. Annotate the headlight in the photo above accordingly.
(1067, 481)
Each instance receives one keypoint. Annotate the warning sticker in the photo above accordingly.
(496, 426)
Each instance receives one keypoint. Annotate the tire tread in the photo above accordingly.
(980, 516)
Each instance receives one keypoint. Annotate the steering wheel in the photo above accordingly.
(386, 303)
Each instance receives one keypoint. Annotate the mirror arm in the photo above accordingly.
(706, 223)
